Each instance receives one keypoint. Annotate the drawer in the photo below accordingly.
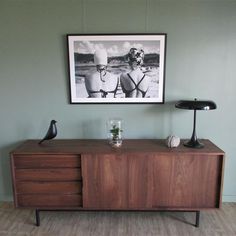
(58, 174)
(46, 161)
(48, 187)
(41, 200)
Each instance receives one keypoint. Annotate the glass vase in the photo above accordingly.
(114, 132)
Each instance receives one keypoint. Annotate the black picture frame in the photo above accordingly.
(91, 83)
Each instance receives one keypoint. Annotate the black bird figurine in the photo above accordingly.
(52, 132)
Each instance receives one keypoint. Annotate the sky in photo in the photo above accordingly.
(116, 48)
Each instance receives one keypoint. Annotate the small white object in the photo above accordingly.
(172, 141)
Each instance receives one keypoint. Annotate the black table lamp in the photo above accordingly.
(195, 105)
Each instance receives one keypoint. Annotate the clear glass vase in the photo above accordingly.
(114, 132)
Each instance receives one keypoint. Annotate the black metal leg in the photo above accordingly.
(37, 216)
(197, 218)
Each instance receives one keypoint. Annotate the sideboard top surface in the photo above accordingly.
(83, 146)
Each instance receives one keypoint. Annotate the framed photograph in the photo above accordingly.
(122, 68)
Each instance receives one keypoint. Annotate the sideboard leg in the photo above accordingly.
(37, 216)
(197, 218)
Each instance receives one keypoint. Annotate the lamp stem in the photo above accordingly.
(193, 142)
(194, 136)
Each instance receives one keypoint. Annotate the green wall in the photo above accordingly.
(200, 62)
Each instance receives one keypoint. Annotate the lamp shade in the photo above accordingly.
(195, 105)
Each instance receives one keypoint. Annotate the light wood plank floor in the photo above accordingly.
(20, 222)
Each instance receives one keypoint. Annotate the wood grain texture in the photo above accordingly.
(49, 181)
(46, 161)
(48, 187)
(139, 182)
(15, 222)
(75, 146)
(49, 200)
(57, 174)
(104, 181)
(151, 181)
(186, 181)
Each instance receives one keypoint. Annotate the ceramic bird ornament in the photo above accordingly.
(51, 133)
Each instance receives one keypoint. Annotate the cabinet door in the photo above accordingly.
(104, 181)
(117, 181)
(186, 181)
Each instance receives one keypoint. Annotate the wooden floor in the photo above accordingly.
(19, 222)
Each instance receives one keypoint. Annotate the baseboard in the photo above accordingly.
(229, 198)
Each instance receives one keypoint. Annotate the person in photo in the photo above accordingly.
(101, 83)
(135, 83)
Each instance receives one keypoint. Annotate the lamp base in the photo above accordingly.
(193, 144)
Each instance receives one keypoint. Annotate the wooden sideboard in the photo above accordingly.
(143, 174)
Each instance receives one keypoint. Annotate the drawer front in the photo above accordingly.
(48, 188)
(46, 161)
(58, 174)
(41, 200)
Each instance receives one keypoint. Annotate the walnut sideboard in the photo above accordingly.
(141, 175)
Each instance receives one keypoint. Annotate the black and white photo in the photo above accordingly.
(117, 68)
